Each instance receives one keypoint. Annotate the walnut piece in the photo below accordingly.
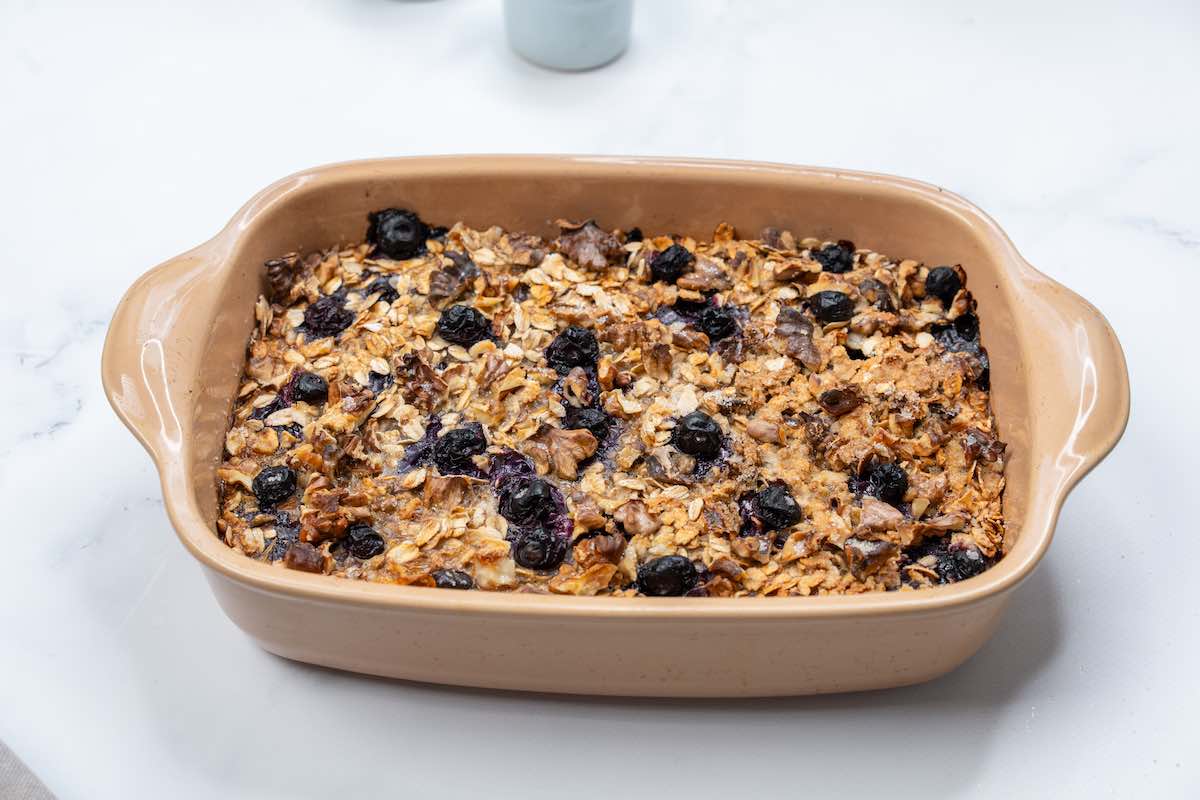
(562, 450)
(868, 556)
(587, 244)
(636, 520)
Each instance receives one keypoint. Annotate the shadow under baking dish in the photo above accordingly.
(176, 346)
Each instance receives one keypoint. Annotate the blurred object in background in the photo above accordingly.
(568, 34)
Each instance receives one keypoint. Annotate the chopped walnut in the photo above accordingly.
(796, 331)
(868, 556)
(419, 384)
(636, 520)
(562, 450)
(587, 244)
(304, 557)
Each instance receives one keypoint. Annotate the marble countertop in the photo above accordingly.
(132, 133)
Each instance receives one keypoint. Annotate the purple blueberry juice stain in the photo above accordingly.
(420, 452)
(545, 542)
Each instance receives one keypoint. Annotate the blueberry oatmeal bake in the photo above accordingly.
(609, 412)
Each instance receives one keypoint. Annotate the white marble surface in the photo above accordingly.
(130, 132)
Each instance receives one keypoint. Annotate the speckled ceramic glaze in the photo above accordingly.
(176, 346)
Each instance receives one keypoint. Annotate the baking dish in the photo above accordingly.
(176, 345)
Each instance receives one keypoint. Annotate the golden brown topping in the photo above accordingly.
(816, 406)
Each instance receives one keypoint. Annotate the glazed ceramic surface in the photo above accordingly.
(176, 346)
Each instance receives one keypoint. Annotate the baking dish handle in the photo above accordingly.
(145, 342)
(1094, 374)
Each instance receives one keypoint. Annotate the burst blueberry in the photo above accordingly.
(453, 452)
(942, 283)
(589, 419)
(396, 233)
(888, 482)
(363, 542)
(382, 286)
(831, 306)
(453, 579)
(463, 325)
(574, 347)
(717, 322)
(310, 388)
(697, 434)
(273, 485)
(667, 576)
(671, 263)
(776, 507)
(526, 502)
(836, 258)
(539, 548)
(328, 316)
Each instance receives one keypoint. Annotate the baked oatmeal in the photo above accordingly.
(612, 413)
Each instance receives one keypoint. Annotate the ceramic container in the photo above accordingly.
(568, 34)
(175, 351)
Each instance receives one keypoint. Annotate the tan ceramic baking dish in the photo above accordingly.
(175, 351)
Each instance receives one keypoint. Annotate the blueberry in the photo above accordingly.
(453, 579)
(538, 548)
(452, 452)
(960, 336)
(328, 316)
(836, 258)
(508, 465)
(952, 562)
(634, 235)
(310, 388)
(831, 306)
(776, 507)
(363, 542)
(378, 381)
(592, 420)
(717, 322)
(698, 435)
(668, 576)
(574, 347)
(942, 283)
(463, 325)
(397, 233)
(967, 327)
(273, 485)
(960, 563)
(526, 502)
(668, 265)
(387, 292)
(888, 482)
(262, 412)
